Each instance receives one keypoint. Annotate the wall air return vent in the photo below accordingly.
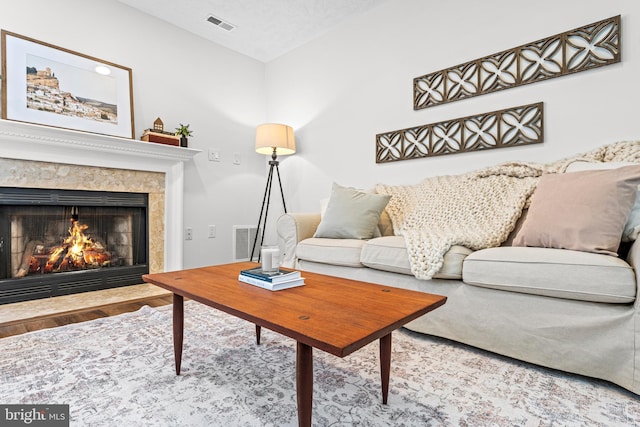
(243, 238)
(220, 23)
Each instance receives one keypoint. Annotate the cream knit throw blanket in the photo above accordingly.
(477, 210)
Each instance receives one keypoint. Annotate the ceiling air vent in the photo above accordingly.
(220, 23)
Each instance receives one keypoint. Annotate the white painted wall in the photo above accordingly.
(341, 90)
(183, 79)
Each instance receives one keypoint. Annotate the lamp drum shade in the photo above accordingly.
(274, 136)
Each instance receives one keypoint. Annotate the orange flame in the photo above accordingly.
(78, 251)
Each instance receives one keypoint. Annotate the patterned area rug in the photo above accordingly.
(120, 371)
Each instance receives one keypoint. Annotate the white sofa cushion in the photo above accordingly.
(389, 253)
(344, 252)
(559, 273)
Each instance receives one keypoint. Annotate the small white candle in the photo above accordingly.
(270, 258)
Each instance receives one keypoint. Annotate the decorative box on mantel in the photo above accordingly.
(166, 138)
(34, 143)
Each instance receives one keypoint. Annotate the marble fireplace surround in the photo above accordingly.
(36, 156)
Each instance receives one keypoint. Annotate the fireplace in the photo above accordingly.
(58, 242)
(44, 157)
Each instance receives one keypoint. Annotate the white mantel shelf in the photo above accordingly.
(50, 138)
(27, 141)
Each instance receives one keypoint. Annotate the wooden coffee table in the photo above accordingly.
(332, 314)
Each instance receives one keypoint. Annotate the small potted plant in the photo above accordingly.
(183, 132)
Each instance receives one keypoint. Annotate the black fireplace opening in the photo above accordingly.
(60, 242)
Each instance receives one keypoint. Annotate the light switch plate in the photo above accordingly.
(214, 155)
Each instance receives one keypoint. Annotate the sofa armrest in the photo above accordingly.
(633, 258)
(292, 228)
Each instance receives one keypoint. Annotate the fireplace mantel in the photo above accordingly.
(26, 141)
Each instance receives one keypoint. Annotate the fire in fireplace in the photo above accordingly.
(57, 242)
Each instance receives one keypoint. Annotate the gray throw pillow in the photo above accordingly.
(351, 214)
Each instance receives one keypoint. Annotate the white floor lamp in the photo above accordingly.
(272, 139)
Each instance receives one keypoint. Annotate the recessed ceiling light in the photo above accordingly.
(101, 69)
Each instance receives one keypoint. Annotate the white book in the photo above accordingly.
(271, 286)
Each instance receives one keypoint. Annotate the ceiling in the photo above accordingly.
(263, 29)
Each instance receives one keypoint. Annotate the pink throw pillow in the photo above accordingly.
(582, 211)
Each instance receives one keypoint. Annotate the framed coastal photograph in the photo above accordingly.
(52, 86)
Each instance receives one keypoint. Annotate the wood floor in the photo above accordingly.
(83, 316)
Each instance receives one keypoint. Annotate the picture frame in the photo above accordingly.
(49, 85)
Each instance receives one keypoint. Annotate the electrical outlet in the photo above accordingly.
(212, 231)
(188, 233)
(236, 158)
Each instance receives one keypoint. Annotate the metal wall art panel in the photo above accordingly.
(499, 129)
(584, 48)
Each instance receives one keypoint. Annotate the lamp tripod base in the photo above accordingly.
(266, 199)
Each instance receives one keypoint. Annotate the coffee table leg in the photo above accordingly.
(178, 329)
(385, 365)
(258, 330)
(304, 383)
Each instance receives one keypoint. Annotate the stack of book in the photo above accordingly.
(274, 281)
